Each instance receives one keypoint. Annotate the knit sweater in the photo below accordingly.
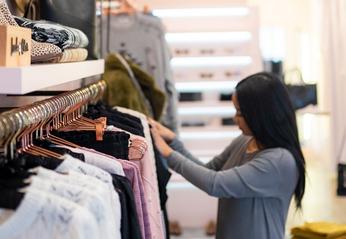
(44, 215)
(254, 190)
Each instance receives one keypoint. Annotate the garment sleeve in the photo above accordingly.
(261, 177)
(216, 163)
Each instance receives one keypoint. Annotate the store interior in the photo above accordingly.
(186, 58)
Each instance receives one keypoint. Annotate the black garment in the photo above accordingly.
(32, 161)
(115, 144)
(12, 176)
(163, 176)
(118, 119)
(10, 198)
(129, 220)
(50, 146)
(124, 222)
(101, 105)
(67, 151)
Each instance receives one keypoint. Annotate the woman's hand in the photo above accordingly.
(167, 134)
(160, 143)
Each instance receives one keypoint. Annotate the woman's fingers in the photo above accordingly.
(160, 143)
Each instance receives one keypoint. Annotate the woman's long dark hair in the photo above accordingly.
(266, 107)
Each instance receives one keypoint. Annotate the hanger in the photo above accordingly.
(74, 121)
(125, 7)
(19, 128)
(52, 122)
(27, 136)
(146, 9)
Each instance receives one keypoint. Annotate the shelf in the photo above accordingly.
(188, 62)
(22, 80)
(208, 110)
(206, 86)
(208, 37)
(205, 133)
(201, 12)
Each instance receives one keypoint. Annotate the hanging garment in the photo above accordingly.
(117, 167)
(138, 145)
(54, 33)
(150, 180)
(133, 175)
(135, 82)
(44, 215)
(118, 119)
(83, 176)
(99, 160)
(115, 144)
(83, 197)
(129, 223)
(70, 164)
(82, 138)
(155, 96)
(151, 53)
(163, 176)
(122, 92)
(95, 181)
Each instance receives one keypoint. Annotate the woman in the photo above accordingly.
(256, 176)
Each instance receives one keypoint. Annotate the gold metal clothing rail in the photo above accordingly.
(20, 118)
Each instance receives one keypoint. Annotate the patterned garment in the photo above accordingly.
(40, 52)
(54, 33)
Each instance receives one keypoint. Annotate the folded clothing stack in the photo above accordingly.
(71, 41)
(40, 52)
(319, 230)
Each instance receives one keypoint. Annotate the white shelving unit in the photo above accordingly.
(196, 109)
(22, 80)
(211, 54)
(206, 86)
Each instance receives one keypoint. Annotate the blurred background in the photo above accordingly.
(215, 44)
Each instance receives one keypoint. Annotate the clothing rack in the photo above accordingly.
(17, 119)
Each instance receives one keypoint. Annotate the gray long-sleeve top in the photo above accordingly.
(254, 190)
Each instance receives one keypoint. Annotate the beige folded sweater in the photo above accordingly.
(73, 55)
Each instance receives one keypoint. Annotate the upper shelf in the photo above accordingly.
(22, 80)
